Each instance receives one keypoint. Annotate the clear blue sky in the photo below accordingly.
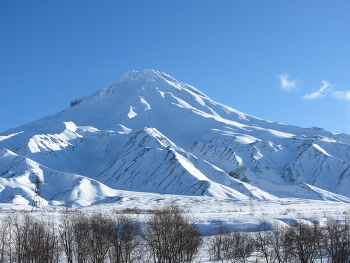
(285, 61)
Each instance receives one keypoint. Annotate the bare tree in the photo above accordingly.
(300, 243)
(171, 236)
(92, 238)
(6, 238)
(232, 247)
(67, 236)
(217, 242)
(337, 241)
(81, 231)
(35, 241)
(100, 232)
(125, 241)
(238, 246)
(263, 242)
(278, 245)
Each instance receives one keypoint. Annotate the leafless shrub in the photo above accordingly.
(101, 230)
(300, 243)
(263, 242)
(278, 245)
(337, 241)
(6, 238)
(35, 240)
(80, 230)
(124, 241)
(134, 210)
(318, 234)
(232, 247)
(171, 237)
(238, 246)
(217, 242)
(67, 236)
(98, 238)
(92, 238)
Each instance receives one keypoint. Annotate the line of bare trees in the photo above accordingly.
(168, 236)
(300, 243)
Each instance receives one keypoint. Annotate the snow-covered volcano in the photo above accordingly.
(151, 133)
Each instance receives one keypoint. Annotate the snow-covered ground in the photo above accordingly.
(207, 212)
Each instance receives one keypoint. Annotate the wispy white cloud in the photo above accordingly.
(342, 95)
(319, 93)
(286, 84)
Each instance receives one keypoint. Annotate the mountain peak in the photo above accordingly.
(147, 74)
(134, 80)
(133, 75)
(150, 132)
(160, 78)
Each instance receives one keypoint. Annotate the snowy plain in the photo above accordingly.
(206, 212)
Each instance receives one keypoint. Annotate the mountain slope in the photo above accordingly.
(57, 188)
(148, 132)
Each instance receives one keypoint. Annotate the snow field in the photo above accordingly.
(206, 212)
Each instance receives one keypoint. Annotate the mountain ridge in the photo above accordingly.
(149, 132)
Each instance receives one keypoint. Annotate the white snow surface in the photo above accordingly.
(149, 133)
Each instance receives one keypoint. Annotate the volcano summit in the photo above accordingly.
(149, 132)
